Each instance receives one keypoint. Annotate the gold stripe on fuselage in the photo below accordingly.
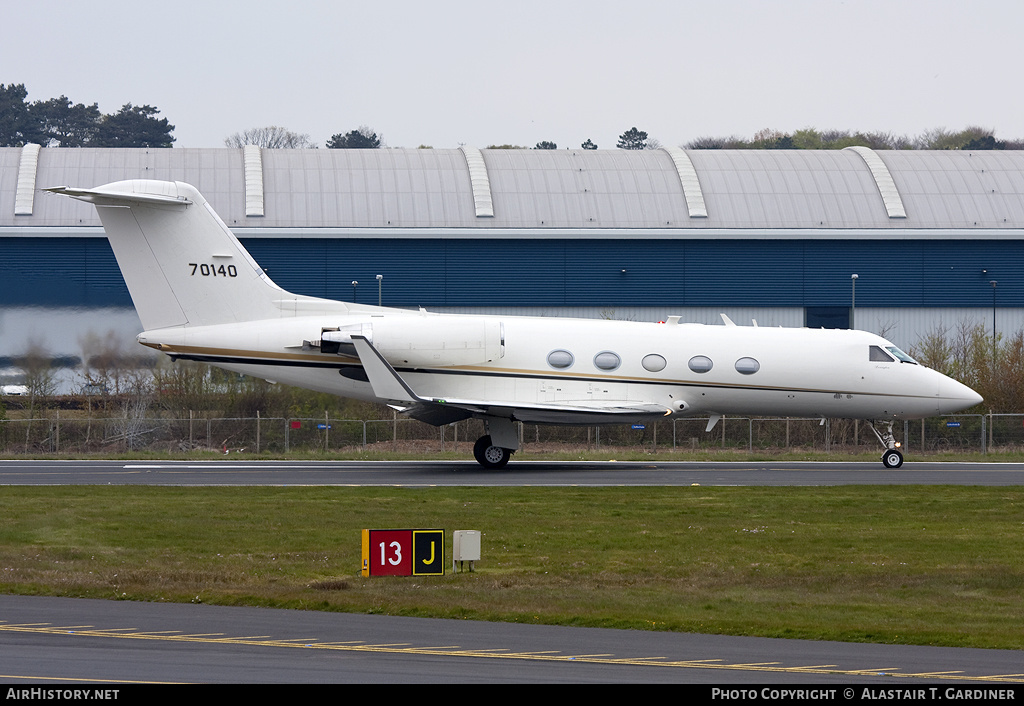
(256, 357)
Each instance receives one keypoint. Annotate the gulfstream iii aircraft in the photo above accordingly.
(201, 296)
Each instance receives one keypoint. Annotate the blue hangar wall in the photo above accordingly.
(82, 272)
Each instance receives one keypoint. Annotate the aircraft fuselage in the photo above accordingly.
(688, 369)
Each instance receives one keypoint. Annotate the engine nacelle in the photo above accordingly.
(423, 341)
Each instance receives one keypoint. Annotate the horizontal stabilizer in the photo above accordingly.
(119, 198)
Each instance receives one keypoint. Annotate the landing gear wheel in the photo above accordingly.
(489, 455)
(892, 459)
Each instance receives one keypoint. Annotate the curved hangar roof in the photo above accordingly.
(649, 192)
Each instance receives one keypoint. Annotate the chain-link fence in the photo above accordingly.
(70, 434)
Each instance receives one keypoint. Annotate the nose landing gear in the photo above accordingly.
(892, 458)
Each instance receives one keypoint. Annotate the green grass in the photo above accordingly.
(914, 565)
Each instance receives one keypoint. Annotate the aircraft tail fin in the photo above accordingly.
(182, 264)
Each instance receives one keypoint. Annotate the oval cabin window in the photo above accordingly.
(654, 362)
(700, 364)
(606, 360)
(560, 359)
(747, 366)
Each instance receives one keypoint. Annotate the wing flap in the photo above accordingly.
(604, 412)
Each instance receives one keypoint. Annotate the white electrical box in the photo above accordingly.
(465, 547)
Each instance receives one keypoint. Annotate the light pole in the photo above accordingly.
(380, 278)
(354, 283)
(853, 299)
(993, 283)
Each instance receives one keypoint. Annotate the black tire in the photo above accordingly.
(892, 459)
(488, 455)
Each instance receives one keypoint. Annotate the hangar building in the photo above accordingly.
(770, 235)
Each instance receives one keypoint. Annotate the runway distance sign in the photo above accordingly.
(403, 552)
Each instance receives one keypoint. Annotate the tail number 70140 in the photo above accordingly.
(213, 270)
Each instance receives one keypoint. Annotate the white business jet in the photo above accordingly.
(201, 296)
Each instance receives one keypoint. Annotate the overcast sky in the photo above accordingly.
(446, 73)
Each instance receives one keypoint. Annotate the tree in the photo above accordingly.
(272, 137)
(988, 142)
(134, 126)
(943, 139)
(545, 145)
(632, 139)
(589, 145)
(107, 366)
(17, 126)
(36, 365)
(887, 141)
(58, 122)
(716, 143)
(808, 138)
(769, 139)
(65, 125)
(361, 138)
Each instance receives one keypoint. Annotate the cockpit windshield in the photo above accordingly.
(877, 355)
(903, 357)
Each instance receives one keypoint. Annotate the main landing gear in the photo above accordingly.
(892, 458)
(489, 455)
(501, 441)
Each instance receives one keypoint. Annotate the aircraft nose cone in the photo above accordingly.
(955, 396)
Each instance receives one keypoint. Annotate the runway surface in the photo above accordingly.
(62, 640)
(237, 471)
(57, 640)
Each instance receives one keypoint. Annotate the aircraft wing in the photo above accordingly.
(388, 385)
(445, 411)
